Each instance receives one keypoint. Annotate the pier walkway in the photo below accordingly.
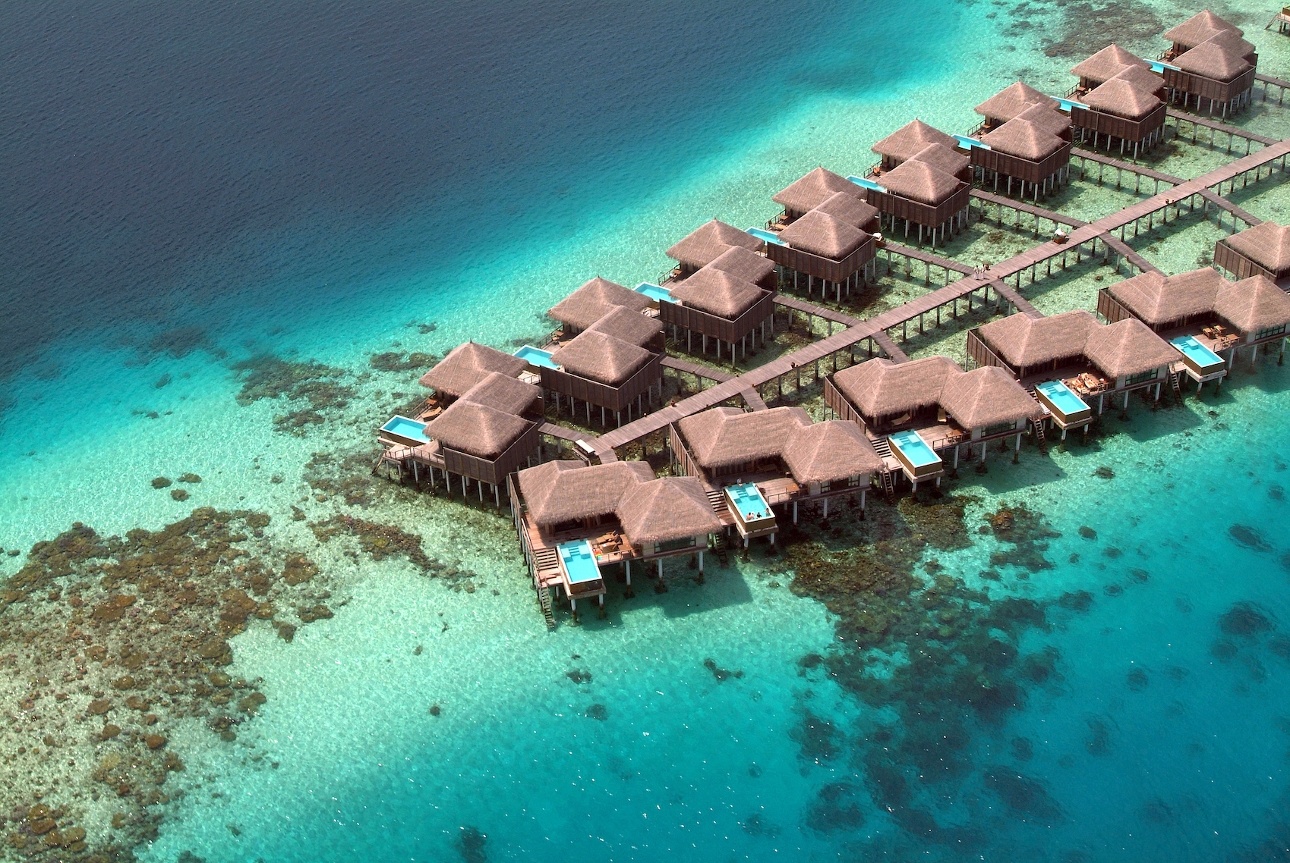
(889, 347)
(808, 357)
(810, 309)
(1223, 204)
(699, 370)
(1122, 249)
(1232, 132)
(1018, 301)
(1111, 162)
(1030, 209)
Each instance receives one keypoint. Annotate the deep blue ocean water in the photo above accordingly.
(181, 184)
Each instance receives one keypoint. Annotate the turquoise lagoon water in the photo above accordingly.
(376, 193)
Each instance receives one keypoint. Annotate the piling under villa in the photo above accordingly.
(1263, 250)
(919, 413)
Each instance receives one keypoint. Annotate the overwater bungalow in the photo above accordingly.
(464, 367)
(1263, 250)
(1216, 76)
(487, 433)
(1105, 65)
(706, 242)
(902, 144)
(1070, 360)
(593, 301)
(751, 462)
(1123, 109)
(818, 248)
(614, 365)
(921, 412)
(1008, 103)
(1199, 28)
(805, 194)
(717, 304)
(573, 519)
(1022, 153)
(918, 193)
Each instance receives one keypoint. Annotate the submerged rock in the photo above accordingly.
(1025, 796)
(1249, 537)
(1245, 620)
(836, 807)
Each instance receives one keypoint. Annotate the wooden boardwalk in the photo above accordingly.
(1030, 209)
(753, 399)
(1215, 126)
(1022, 304)
(1112, 162)
(798, 304)
(806, 359)
(1123, 250)
(889, 347)
(1224, 204)
(699, 370)
(922, 257)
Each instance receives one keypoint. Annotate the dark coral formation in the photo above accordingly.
(313, 390)
(398, 361)
(382, 541)
(108, 641)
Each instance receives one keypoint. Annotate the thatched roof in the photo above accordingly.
(882, 388)
(725, 437)
(947, 159)
(1122, 98)
(1198, 28)
(1025, 341)
(824, 235)
(505, 394)
(829, 451)
(1012, 100)
(708, 241)
(1127, 347)
(589, 303)
(562, 491)
(476, 429)
(717, 293)
(1157, 299)
(1107, 63)
(1144, 79)
(909, 139)
(985, 397)
(1214, 61)
(631, 327)
(468, 364)
(743, 264)
(1023, 139)
(1232, 41)
(849, 209)
(600, 357)
(1266, 244)
(1048, 119)
(808, 192)
(666, 509)
(1253, 304)
(920, 181)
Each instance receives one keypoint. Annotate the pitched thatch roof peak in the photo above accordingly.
(1198, 28)
(882, 388)
(1211, 60)
(909, 139)
(506, 394)
(708, 241)
(717, 293)
(1253, 304)
(1012, 100)
(476, 429)
(557, 492)
(666, 509)
(727, 437)
(1023, 139)
(807, 193)
(590, 302)
(1127, 347)
(986, 396)
(1144, 79)
(629, 326)
(600, 357)
(1025, 341)
(1123, 98)
(823, 235)
(920, 181)
(829, 452)
(846, 208)
(1266, 244)
(468, 364)
(743, 264)
(944, 158)
(1107, 63)
(1158, 299)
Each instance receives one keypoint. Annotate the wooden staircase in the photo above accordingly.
(544, 600)
(1176, 387)
(1040, 437)
(717, 500)
(888, 485)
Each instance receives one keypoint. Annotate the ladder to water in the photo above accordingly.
(1040, 438)
(1177, 388)
(888, 485)
(544, 600)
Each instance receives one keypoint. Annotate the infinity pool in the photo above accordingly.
(406, 428)
(654, 292)
(1199, 357)
(536, 356)
(915, 450)
(748, 502)
(1060, 398)
(579, 561)
(765, 236)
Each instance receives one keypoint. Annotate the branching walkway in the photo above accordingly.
(710, 373)
(1119, 164)
(1214, 126)
(1123, 250)
(1030, 209)
(889, 347)
(1021, 303)
(798, 304)
(1224, 204)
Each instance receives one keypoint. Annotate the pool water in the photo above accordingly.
(913, 447)
(579, 562)
(536, 356)
(1061, 398)
(867, 184)
(406, 427)
(654, 292)
(1191, 348)
(748, 502)
(765, 235)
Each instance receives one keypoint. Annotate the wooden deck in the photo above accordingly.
(1140, 170)
(1223, 204)
(807, 358)
(1030, 209)
(699, 370)
(1123, 250)
(797, 304)
(889, 347)
(1021, 303)
(1215, 126)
